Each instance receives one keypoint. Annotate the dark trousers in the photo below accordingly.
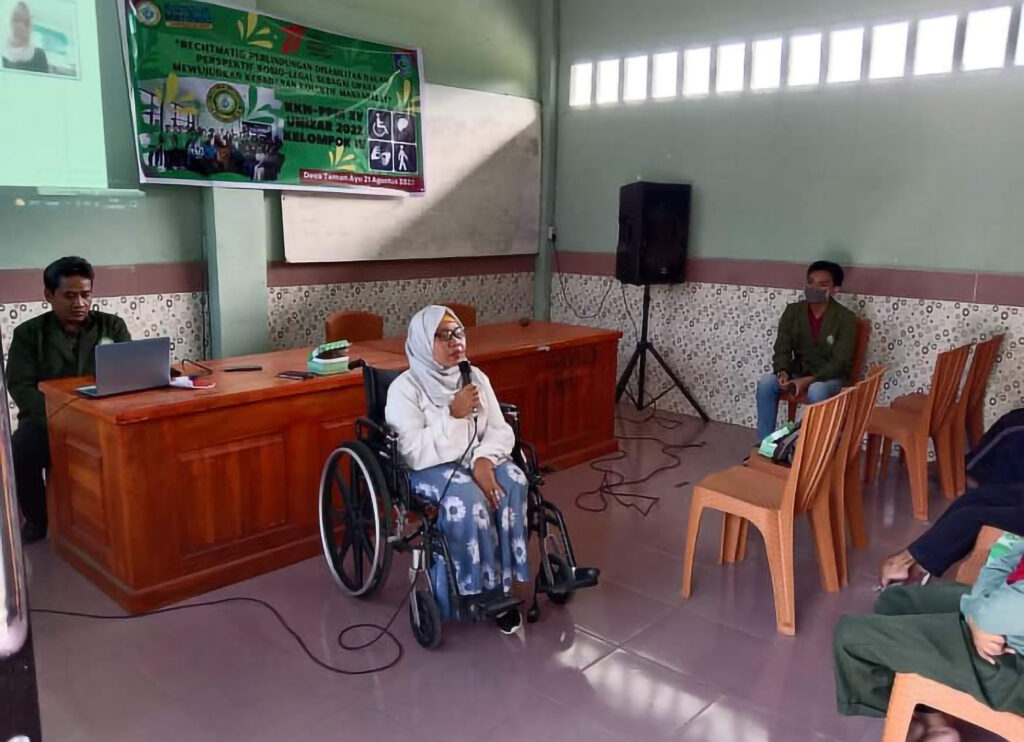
(953, 535)
(919, 630)
(31, 448)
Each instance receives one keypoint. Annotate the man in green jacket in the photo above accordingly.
(814, 347)
(55, 345)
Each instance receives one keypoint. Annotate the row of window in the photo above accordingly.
(852, 54)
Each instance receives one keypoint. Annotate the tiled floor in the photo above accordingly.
(629, 660)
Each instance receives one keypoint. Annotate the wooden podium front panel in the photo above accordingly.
(162, 510)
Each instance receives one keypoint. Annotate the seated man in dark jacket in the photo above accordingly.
(813, 349)
(55, 345)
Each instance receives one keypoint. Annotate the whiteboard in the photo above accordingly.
(482, 169)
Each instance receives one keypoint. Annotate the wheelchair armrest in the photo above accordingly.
(385, 430)
(509, 410)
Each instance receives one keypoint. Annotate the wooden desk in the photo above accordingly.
(163, 495)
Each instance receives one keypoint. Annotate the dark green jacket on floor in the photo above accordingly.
(41, 350)
(831, 357)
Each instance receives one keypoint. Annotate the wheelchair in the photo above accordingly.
(368, 512)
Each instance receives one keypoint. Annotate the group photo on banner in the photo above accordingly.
(223, 96)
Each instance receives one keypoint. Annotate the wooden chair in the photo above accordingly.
(465, 312)
(847, 506)
(771, 503)
(910, 690)
(912, 428)
(971, 396)
(353, 326)
(860, 352)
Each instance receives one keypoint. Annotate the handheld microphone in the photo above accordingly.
(466, 378)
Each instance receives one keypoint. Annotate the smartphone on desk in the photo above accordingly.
(296, 375)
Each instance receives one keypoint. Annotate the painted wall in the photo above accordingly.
(913, 173)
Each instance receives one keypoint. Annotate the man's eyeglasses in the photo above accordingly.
(446, 336)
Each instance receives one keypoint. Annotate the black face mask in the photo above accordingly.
(814, 295)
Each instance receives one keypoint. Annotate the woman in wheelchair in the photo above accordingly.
(457, 445)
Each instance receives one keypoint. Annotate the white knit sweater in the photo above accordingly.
(428, 435)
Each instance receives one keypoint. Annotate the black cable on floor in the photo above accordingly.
(612, 480)
(383, 630)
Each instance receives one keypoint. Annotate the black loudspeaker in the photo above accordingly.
(654, 229)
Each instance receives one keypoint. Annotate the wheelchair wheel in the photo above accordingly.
(355, 519)
(428, 630)
(561, 575)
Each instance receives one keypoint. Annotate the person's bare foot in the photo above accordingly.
(896, 568)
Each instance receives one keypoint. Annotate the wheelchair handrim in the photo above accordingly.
(324, 492)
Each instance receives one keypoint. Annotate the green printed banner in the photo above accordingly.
(229, 97)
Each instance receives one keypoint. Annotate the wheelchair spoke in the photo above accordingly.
(357, 559)
(345, 545)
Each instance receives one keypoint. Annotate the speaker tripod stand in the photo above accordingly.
(643, 347)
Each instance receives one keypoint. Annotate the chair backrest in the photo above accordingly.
(815, 451)
(860, 350)
(465, 312)
(973, 395)
(353, 326)
(969, 569)
(949, 372)
(864, 400)
(376, 382)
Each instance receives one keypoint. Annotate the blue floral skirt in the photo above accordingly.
(488, 548)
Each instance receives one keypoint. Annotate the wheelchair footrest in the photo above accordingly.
(584, 577)
(495, 608)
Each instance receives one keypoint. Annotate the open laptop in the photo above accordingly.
(131, 367)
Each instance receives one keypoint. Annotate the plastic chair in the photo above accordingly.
(465, 312)
(771, 503)
(860, 352)
(970, 567)
(910, 690)
(912, 428)
(976, 399)
(972, 396)
(847, 506)
(353, 326)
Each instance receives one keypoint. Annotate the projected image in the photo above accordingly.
(198, 127)
(40, 36)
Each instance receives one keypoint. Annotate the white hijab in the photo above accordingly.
(440, 384)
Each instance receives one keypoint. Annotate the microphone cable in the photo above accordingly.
(612, 480)
(348, 647)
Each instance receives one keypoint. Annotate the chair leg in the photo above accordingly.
(959, 435)
(792, 411)
(900, 714)
(917, 469)
(886, 455)
(853, 500)
(729, 546)
(871, 459)
(741, 546)
(944, 462)
(692, 531)
(821, 529)
(837, 520)
(778, 542)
